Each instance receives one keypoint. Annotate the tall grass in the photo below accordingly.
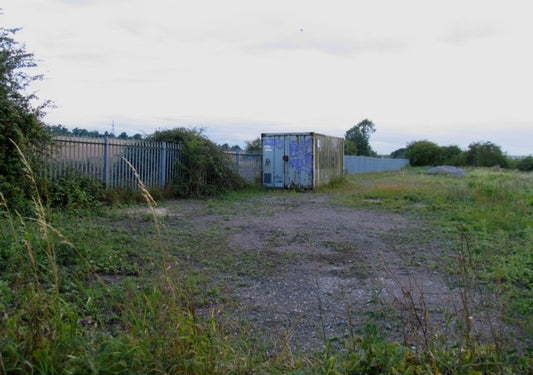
(62, 313)
(487, 219)
(76, 301)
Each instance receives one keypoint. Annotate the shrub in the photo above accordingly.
(451, 155)
(75, 191)
(206, 169)
(20, 124)
(422, 153)
(526, 164)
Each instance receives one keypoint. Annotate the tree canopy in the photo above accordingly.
(485, 154)
(357, 139)
(422, 153)
(254, 145)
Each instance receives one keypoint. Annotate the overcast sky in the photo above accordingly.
(449, 71)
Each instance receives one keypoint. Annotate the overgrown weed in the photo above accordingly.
(65, 313)
(89, 306)
(490, 212)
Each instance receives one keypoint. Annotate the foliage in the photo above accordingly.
(75, 191)
(399, 153)
(70, 308)
(60, 130)
(526, 164)
(206, 168)
(20, 122)
(227, 147)
(490, 211)
(485, 154)
(451, 155)
(254, 145)
(83, 293)
(357, 139)
(422, 153)
(479, 154)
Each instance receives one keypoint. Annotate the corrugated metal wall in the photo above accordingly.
(362, 164)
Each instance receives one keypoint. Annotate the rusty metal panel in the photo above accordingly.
(301, 160)
(329, 159)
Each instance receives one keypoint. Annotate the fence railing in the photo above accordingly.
(362, 164)
(156, 163)
(247, 164)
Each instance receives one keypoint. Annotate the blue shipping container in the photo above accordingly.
(301, 160)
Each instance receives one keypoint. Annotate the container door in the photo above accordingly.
(273, 163)
(288, 161)
(299, 161)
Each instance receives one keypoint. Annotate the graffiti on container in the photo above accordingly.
(301, 155)
(276, 142)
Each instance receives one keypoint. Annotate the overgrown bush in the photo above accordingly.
(422, 153)
(206, 169)
(478, 154)
(526, 164)
(75, 191)
(20, 122)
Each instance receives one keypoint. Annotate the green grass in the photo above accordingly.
(492, 209)
(83, 292)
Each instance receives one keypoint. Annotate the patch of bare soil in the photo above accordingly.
(327, 268)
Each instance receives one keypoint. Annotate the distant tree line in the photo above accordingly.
(60, 130)
(478, 154)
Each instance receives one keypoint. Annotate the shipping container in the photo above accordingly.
(301, 160)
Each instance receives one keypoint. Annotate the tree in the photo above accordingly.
(254, 145)
(20, 120)
(485, 154)
(526, 164)
(421, 153)
(58, 130)
(451, 155)
(357, 139)
(399, 153)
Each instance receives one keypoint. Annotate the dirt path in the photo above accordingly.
(321, 269)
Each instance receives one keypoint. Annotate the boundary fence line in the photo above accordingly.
(248, 164)
(354, 164)
(102, 158)
(158, 163)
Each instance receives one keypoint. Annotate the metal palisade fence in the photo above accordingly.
(247, 164)
(103, 158)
